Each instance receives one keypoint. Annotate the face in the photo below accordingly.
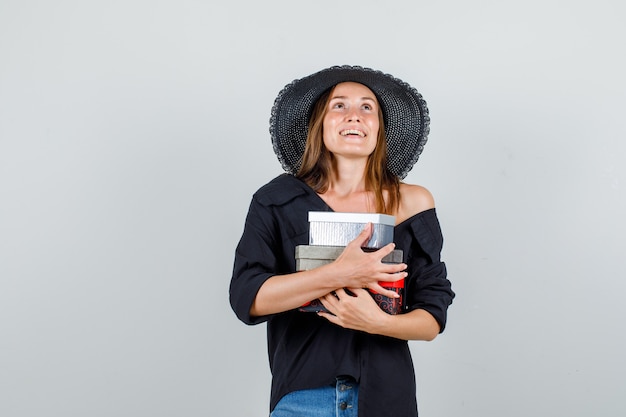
(351, 121)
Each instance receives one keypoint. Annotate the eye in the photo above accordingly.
(367, 107)
(338, 105)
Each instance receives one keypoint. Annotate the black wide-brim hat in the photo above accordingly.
(404, 111)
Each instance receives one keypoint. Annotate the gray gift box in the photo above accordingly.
(329, 228)
(309, 257)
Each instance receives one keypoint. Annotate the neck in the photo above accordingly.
(348, 176)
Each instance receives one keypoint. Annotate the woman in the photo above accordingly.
(346, 137)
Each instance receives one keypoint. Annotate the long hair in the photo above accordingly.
(317, 161)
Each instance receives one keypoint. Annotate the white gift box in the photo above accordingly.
(329, 228)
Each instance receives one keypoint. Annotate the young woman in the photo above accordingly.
(346, 137)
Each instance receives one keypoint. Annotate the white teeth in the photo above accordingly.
(352, 132)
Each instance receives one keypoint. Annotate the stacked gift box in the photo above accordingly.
(330, 232)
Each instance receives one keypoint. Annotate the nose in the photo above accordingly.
(353, 115)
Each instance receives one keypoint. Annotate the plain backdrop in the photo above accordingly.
(133, 134)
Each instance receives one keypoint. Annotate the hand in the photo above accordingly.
(359, 269)
(357, 311)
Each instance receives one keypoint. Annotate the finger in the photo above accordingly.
(392, 276)
(385, 250)
(329, 297)
(330, 302)
(384, 292)
(358, 291)
(328, 316)
(363, 237)
(341, 293)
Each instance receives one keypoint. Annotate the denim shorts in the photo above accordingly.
(339, 400)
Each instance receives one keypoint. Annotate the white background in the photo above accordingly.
(133, 134)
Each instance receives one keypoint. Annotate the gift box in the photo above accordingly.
(329, 228)
(388, 304)
(309, 257)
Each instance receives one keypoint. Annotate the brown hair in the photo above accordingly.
(316, 163)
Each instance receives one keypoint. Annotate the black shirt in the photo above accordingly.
(307, 351)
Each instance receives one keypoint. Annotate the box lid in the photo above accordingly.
(343, 217)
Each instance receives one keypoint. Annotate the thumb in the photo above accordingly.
(364, 236)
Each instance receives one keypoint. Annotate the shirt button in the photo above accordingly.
(343, 405)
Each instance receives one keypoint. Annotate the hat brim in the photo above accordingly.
(404, 111)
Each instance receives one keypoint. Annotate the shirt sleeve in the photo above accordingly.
(255, 261)
(428, 287)
(275, 223)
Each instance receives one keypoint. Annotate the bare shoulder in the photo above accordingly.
(413, 199)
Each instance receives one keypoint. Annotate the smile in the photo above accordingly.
(352, 132)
